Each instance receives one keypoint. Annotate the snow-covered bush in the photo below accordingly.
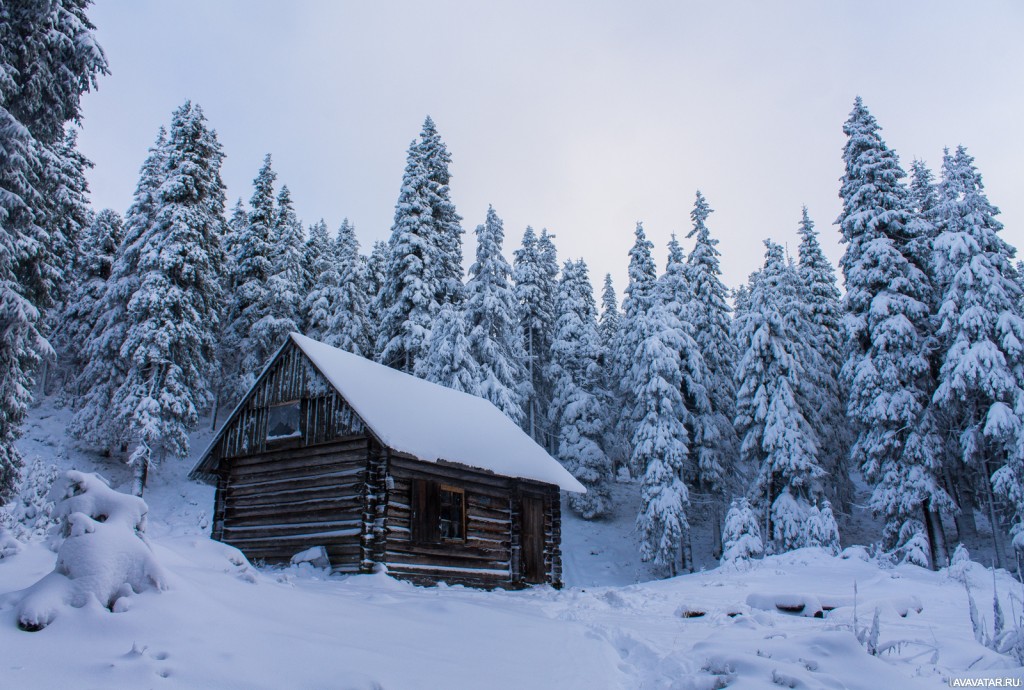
(913, 544)
(104, 555)
(30, 514)
(741, 537)
(821, 529)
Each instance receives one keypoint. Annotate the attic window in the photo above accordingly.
(283, 421)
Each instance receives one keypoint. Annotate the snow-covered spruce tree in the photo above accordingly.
(608, 326)
(741, 536)
(447, 222)
(776, 356)
(886, 370)
(577, 411)
(641, 294)
(101, 241)
(348, 327)
(105, 367)
(660, 442)
(322, 270)
(172, 317)
(707, 311)
(828, 411)
(277, 313)
(674, 289)
(374, 270)
(252, 262)
(407, 301)
(535, 290)
(49, 58)
(450, 362)
(981, 381)
(494, 338)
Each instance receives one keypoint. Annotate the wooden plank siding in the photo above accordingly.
(278, 503)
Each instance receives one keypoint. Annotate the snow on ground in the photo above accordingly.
(224, 624)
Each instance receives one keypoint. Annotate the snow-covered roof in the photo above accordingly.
(431, 422)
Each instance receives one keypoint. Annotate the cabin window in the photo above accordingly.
(438, 513)
(283, 421)
(453, 514)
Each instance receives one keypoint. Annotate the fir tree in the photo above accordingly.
(105, 367)
(322, 269)
(608, 328)
(641, 293)
(49, 58)
(280, 307)
(707, 312)
(374, 272)
(252, 261)
(828, 409)
(101, 241)
(172, 316)
(348, 328)
(535, 288)
(577, 411)
(981, 380)
(494, 338)
(741, 536)
(886, 371)
(659, 440)
(407, 301)
(447, 223)
(451, 362)
(773, 404)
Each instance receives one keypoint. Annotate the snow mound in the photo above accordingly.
(104, 556)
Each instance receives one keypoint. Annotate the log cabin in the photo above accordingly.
(383, 469)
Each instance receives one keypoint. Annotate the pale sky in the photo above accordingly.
(583, 117)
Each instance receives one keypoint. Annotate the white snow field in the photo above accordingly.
(222, 623)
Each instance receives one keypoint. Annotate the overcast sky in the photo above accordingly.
(582, 117)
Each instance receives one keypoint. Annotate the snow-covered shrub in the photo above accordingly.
(9, 546)
(31, 511)
(960, 563)
(741, 537)
(104, 556)
(821, 530)
(913, 544)
(788, 520)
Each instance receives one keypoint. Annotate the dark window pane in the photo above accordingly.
(452, 515)
(283, 422)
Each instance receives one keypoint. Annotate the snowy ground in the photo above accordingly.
(223, 624)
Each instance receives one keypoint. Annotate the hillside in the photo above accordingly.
(226, 624)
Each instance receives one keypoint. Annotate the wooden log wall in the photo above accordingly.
(278, 503)
(324, 415)
(484, 560)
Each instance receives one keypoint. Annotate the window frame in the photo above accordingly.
(461, 493)
(285, 441)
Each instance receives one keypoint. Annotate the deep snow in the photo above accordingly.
(224, 624)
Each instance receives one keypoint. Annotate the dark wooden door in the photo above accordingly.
(533, 539)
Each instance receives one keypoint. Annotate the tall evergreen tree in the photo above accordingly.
(981, 381)
(824, 304)
(172, 317)
(252, 261)
(49, 58)
(535, 292)
(707, 312)
(348, 328)
(774, 406)
(101, 241)
(321, 263)
(494, 338)
(451, 362)
(447, 222)
(660, 442)
(608, 328)
(641, 293)
(105, 367)
(886, 370)
(577, 411)
(374, 270)
(407, 301)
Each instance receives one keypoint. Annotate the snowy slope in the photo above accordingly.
(225, 624)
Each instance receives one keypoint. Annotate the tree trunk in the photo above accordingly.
(716, 526)
(993, 519)
(929, 526)
(140, 476)
(216, 410)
